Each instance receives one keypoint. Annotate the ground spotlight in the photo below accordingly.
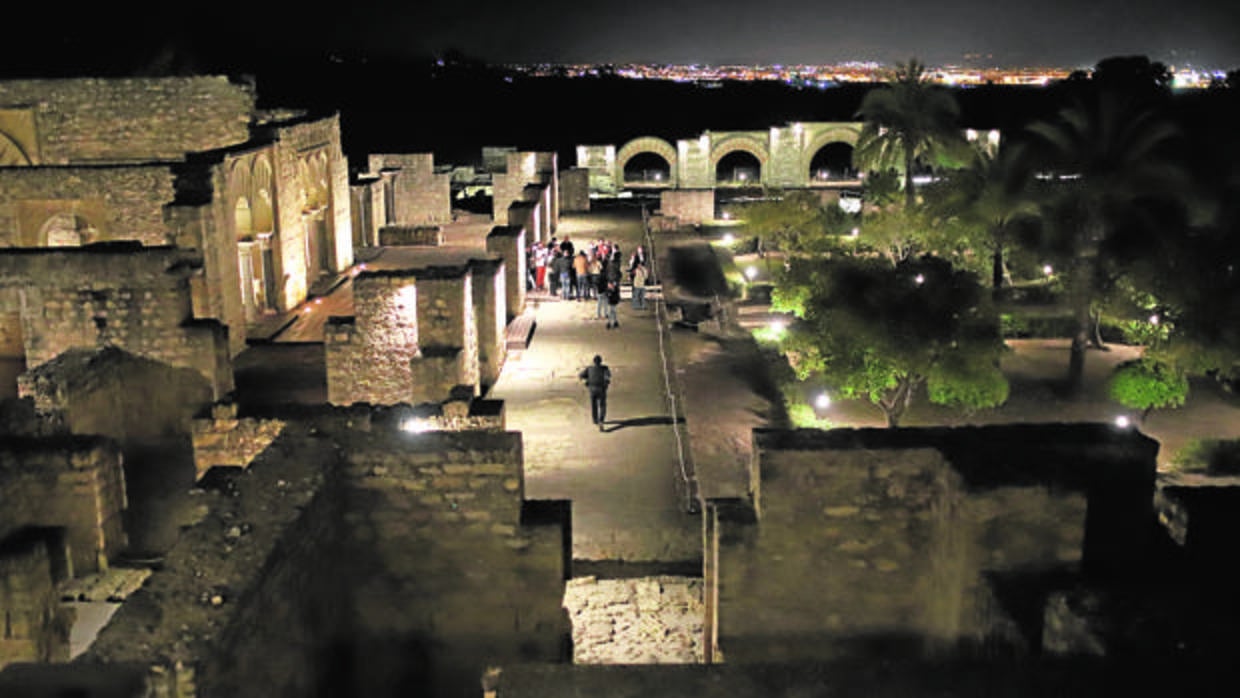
(728, 238)
(823, 401)
(1123, 422)
(751, 273)
(413, 425)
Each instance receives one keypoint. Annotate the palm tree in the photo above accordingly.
(993, 201)
(1104, 160)
(907, 121)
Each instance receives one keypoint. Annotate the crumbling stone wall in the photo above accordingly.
(864, 534)
(135, 298)
(509, 243)
(437, 520)
(575, 190)
(447, 326)
(112, 203)
(111, 120)
(508, 186)
(71, 482)
(490, 317)
(369, 358)
(411, 235)
(366, 205)
(688, 206)
(421, 197)
(225, 440)
(36, 626)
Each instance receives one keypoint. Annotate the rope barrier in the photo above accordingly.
(687, 478)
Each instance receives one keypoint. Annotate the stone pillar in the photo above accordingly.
(446, 321)
(695, 171)
(490, 281)
(369, 355)
(575, 190)
(508, 243)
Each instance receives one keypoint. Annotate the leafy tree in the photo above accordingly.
(908, 121)
(883, 332)
(796, 222)
(1108, 162)
(1147, 384)
(992, 205)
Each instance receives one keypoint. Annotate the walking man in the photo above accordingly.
(597, 377)
(639, 287)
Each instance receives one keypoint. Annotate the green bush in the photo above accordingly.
(1147, 384)
(1214, 456)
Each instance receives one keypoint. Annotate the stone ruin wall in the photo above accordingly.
(446, 320)
(224, 440)
(132, 119)
(74, 483)
(422, 197)
(369, 358)
(138, 299)
(490, 317)
(118, 203)
(916, 527)
(688, 206)
(508, 186)
(402, 235)
(329, 564)
(440, 518)
(36, 625)
(509, 243)
(575, 190)
(324, 134)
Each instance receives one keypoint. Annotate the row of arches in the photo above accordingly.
(254, 200)
(740, 167)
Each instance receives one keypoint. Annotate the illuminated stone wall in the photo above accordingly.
(369, 356)
(366, 206)
(70, 482)
(397, 235)
(547, 167)
(509, 243)
(490, 281)
(99, 204)
(688, 206)
(421, 197)
(355, 558)
(575, 190)
(104, 120)
(136, 298)
(864, 534)
(600, 162)
(524, 170)
(447, 334)
(224, 440)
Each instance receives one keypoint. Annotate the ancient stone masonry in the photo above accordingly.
(396, 235)
(510, 186)
(227, 441)
(69, 206)
(138, 299)
(349, 542)
(575, 190)
(509, 243)
(73, 483)
(688, 206)
(89, 120)
(915, 528)
(490, 285)
(447, 334)
(36, 627)
(419, 196)
(370, 355)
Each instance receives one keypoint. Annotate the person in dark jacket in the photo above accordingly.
(613, 300)
(598, 378)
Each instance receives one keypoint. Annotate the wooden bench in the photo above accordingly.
(520, 331)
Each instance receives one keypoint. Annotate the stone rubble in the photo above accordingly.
(645, 620)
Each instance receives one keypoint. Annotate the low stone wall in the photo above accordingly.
(36, 626)
(397, 235)
(73, 482)
(688, 205)
(225, 440)
(646, 620)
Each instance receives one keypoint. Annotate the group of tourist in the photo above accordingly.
(595, 271)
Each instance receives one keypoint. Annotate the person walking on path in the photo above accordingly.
(600, 290)
(613, 300)
(639, 287)
(598, 378)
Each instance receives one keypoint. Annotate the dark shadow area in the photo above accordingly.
(274, 374)
(624, 569)
(617, 425)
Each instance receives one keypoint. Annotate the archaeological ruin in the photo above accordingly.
(168, 251)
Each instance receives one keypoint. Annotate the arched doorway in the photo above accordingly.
(249, 261)
(738, 168)
(315, 216)
(648, 168)
(832, 163)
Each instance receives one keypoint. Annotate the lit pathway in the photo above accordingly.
(622, 482)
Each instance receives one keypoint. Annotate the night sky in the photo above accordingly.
(1062, 33)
